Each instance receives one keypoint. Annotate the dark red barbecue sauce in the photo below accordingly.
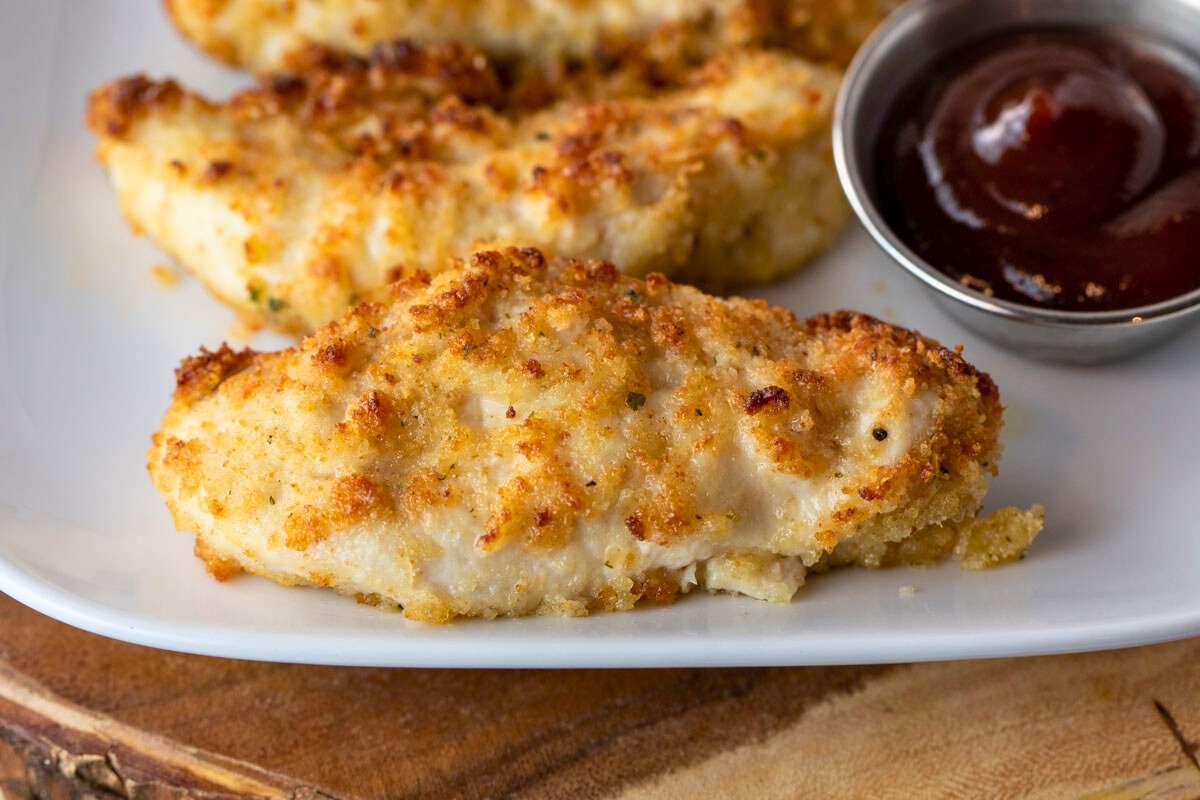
(1058, 168)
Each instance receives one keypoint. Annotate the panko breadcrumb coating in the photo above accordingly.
(294, 200)
(514, 437)
(265, 35)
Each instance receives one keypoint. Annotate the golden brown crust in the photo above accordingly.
(902, 341)
(329, 90)
(200, 374)
(113, 108)
(522, 434)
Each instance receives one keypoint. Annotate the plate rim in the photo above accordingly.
(513, 651)
(507, 643)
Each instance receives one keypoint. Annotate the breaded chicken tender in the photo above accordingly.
(514, 437)
(265, 35)
(296, 199)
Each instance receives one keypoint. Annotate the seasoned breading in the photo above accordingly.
(294, 200)
(511, 437)
(263, 35)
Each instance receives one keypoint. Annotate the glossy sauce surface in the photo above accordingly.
(1058, 168)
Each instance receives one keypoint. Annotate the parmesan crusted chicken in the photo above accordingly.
(296, 199)
(265, 35)
(513, 437)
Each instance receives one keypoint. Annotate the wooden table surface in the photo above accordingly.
(82, 716)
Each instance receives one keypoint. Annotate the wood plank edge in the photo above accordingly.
(52, 748)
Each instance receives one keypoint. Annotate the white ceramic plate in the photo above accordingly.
(88, 342)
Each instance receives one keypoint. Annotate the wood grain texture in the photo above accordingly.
(85, 716)
(422, 733)
(1065, 726)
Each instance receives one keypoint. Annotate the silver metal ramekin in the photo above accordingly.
(917, 34)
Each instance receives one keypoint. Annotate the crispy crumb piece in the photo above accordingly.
(908, 590)
(763, 576)
(164, 275)
(998, 538)
(243, 331)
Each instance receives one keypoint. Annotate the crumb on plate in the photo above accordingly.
(164, 275)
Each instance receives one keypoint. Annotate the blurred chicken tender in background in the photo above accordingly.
(264, 35)
(295, 200)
